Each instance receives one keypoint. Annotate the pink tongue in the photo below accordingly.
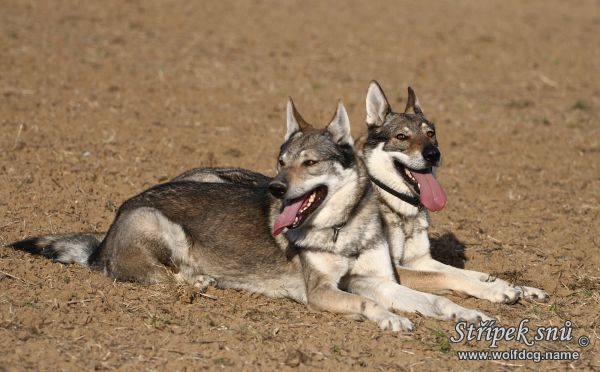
(286, 217)
(432, 195)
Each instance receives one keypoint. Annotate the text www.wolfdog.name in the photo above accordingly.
(518, 354)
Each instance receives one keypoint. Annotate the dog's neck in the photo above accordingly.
(380, 167)
(360, 192)
(410, 199)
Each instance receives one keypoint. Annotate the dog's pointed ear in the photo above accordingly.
(413, 105)
(339, 127)
(377, 105)
(295, 122)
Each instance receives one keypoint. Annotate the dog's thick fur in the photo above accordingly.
(406, 225)
(219, 233)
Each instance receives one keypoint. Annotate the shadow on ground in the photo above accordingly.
(449, 250)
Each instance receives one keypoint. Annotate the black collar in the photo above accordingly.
(412, 200)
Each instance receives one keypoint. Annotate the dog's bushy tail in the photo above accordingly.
(68, 248)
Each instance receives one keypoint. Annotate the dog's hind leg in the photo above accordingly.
(200, 282)
(143, 246)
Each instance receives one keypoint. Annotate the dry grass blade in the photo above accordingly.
(14, 277)
(209, 296)
(19, 131)
(8, 224)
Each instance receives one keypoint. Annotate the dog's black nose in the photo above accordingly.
(278, 189)
(431, 154)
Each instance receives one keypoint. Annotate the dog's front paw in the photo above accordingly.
(393, 322)
(534, 294)
(502, 293)
(470, 316)
(448, 310)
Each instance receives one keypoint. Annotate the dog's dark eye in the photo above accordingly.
(281, 162)
(402, 137)
(308, 163)
(430, 133)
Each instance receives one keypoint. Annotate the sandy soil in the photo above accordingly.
(99, 100)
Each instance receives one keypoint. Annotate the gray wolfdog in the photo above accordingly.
(312, 234)
(401, 153)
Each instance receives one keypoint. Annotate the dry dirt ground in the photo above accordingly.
(99, 100)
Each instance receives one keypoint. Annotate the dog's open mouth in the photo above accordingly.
(425, 184)
(296, 211)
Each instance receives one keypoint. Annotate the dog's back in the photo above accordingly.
(224, 175)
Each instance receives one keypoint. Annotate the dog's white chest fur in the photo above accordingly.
(405, 234)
